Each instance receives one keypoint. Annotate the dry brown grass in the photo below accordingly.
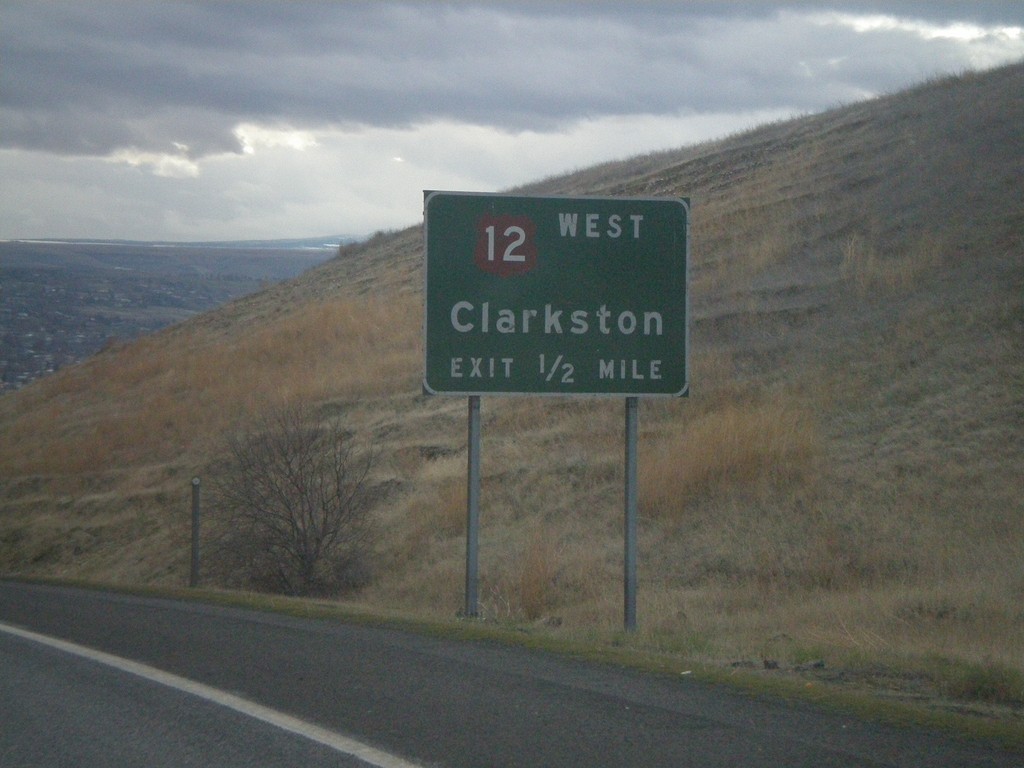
(169, 393)
(748, 232)
(537, 569)
(740, 445)
(869, 271)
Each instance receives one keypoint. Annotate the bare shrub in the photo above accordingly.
(293, 505)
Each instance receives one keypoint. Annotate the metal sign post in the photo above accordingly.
(193, 579)
(473, 509)
(531, 295)
(630, 529)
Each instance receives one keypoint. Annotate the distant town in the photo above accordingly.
(63, 301)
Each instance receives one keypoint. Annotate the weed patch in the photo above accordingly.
(775, 444)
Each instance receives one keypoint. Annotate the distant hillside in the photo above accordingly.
(63, 300)
(843, 484)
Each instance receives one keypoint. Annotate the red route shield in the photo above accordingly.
(505, 245)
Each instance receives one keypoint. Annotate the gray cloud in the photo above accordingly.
(262, 118)
(88, 78)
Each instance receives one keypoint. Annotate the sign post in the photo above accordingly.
(629, 559)
(556, 296)
(473, 509)
(193, 578)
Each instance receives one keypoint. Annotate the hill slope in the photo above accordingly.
(844, 480)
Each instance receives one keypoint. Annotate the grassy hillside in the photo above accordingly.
(844, 482)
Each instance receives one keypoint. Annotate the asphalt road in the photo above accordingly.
(152, 682)
(59, 710)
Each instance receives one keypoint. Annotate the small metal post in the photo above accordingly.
(193, 579)
(629, 580)
(473, 509)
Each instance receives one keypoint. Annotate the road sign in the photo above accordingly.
(555, 295)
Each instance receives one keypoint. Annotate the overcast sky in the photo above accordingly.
(252, 120)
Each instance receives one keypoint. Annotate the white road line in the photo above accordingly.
(343, 744)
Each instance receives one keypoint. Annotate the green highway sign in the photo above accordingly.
(555, 295)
